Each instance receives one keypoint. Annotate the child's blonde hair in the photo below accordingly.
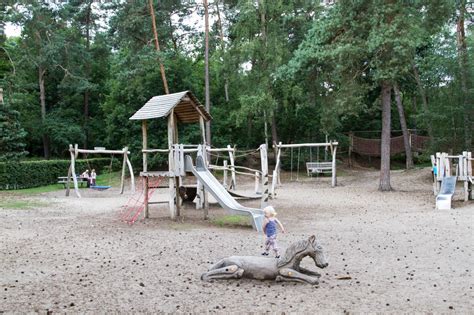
(270, 210)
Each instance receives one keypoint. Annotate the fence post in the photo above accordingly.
(264, 162)
(224, 180)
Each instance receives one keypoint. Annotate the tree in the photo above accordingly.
(365, 47)
(463, 73)
(403, 125)
(206, 70)
(12, 135)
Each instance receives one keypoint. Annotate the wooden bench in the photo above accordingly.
(80, 181)
(318, 167)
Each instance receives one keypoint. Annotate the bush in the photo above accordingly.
(27, 174)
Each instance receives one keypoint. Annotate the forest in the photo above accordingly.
(291, 71)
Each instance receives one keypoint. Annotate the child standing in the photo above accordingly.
(93, 177)
(270, 229)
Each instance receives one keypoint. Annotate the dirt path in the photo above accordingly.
(402, 255)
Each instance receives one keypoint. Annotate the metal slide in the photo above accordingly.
(445, 195)
(220, 193)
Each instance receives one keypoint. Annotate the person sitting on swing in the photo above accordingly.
(93, 177)
(87, 177)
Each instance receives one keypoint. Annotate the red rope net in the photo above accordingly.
(371, 147)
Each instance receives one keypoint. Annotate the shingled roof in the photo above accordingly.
(187, 108)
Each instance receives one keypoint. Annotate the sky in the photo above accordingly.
(12, 30)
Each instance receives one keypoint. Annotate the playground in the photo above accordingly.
(387, 252)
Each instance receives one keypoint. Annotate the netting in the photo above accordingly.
(371, 147)
(419, 143)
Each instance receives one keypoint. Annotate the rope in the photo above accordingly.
(109, 175)
(237, 156)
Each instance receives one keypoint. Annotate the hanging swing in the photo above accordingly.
(109, 173)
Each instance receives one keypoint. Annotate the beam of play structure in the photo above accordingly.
(300, 145)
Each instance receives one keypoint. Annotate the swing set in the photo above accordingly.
(318, 167)
(74, 151)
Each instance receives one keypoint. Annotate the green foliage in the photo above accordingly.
(12, 146)
(311, 71)
(26, 174)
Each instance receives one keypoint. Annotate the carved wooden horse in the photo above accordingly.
(287, 268)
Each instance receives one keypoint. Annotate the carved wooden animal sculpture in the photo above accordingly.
(287, 268)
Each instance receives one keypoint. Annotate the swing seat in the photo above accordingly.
(100, 188)
(318, 167)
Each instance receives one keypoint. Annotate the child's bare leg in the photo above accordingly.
(275, 247)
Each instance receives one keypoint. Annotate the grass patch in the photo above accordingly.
(109, 179)
(22, 204)
(231, 220)
(38, 190)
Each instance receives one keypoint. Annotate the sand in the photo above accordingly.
(75, 255)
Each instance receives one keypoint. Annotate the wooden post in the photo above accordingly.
(144, 145)
(469, 174)
(69, 173)
(257, 183)
(433, 162)
(124, 165)
(73, 170)
(439, 170)
(171, 167)
(463, 172)
(205, 193)
(278, 165)
(333, 153)
(203, 130)
(146, 213)
(177, 178)
(132, 176)
(447, 163)
(224, 180)
(264, 162)
(274, 181)
(233, 183)
(200, 186)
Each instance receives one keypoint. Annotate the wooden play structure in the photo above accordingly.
(183, 107)
(317, 167)
(74, 152)
(449, 169)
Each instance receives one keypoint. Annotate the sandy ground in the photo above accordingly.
(75, 255)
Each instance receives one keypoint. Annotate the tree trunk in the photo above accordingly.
(41, 73)
(221, 36)
(274, 131)
(385, 143)
(206, 66)
(87, 71)
(157, 46)
(403, 124)
(424, 101)
(463, 66)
